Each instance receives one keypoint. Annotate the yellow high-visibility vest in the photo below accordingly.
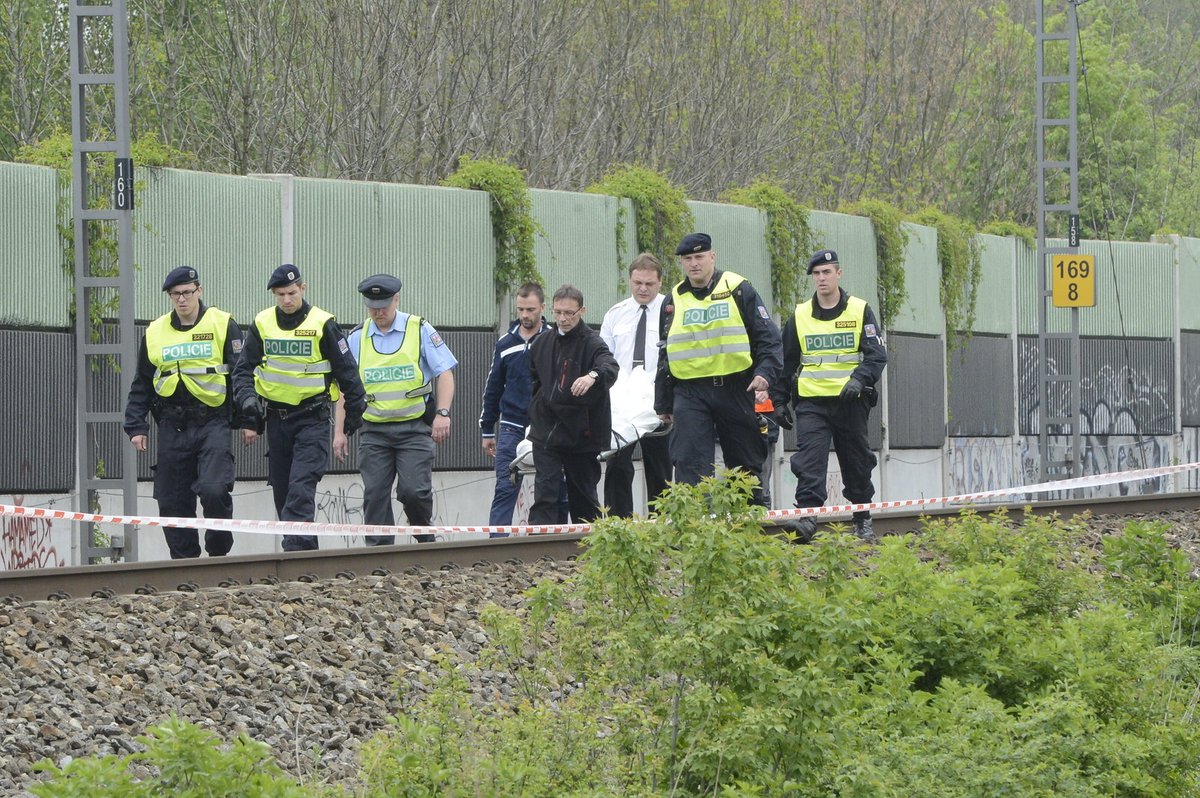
(829, 349)
(708, 337)
(196, 357)
(396, 386)
(293, 368)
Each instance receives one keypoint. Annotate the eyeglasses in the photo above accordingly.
(183, 294)
(566, 314)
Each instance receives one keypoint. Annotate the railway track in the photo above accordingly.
(107, 581)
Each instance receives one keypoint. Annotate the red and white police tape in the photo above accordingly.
(450, 532)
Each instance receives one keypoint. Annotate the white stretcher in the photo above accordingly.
(633, 418)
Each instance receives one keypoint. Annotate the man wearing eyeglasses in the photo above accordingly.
(182, 380)
(570, 416)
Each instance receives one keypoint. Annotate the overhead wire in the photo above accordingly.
(1102, 226)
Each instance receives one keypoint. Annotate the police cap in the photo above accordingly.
(378, 290)
(694, 242)
(284, 275)
(179, 276)
(824, 256)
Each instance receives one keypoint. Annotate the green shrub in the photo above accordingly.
(187, 762)
(695, 656)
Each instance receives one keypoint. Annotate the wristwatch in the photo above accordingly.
(593, 375)
(442, 411)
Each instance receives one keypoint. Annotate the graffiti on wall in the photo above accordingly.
(1130, 399)
(1190, 399)
(981, 464)
(27, 543)
(1106, 454)
(342, 505)
(1126, 412)
(1189, 453)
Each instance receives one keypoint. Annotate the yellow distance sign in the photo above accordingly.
(1073, 281)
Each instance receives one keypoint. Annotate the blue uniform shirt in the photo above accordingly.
(436, 357)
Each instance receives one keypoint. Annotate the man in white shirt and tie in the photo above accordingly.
(631, 331)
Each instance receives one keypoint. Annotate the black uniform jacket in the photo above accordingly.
(870, 345)
(556, 417)
(764, 338)
(143, 399)
(333, 348)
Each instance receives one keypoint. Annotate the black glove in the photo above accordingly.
(252, 415)
(853, 389)
(352, 424)
(783, 416)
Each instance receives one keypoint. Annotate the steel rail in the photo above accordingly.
(108, 581)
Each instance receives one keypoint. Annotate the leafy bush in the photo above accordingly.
(695, 656)
(185, 761)
(700, 657)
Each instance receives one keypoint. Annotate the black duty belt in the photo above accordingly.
(740, 377)
(292, 411)
(182, 416)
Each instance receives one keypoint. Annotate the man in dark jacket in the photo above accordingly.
(506, 398)
(833, 357)
(570, 416)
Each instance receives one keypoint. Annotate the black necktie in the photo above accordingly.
(639, 343)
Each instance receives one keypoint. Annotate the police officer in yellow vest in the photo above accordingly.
(721, 347)
(833, 357)
(182, 380)
(408, 371)
(296, 359)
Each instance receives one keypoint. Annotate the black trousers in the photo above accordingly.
(298, 454)
(619, 473)
(706, 413)
(582, 471)
(845, 424)
(195, 461)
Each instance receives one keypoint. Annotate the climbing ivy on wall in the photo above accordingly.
(890, 242)
(55, 152)
(790, 239)
(513, 226)
(961, 265)
(661, 214)
(1010, 229)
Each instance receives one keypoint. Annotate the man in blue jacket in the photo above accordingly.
(506, 397)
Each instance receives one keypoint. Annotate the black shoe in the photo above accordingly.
(865, 530)
(802, 528)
